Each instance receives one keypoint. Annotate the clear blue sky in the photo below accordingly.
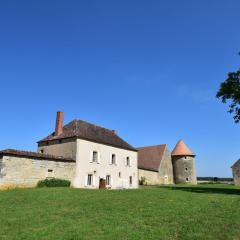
(149, 69)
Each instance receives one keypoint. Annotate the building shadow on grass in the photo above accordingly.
(202, 189)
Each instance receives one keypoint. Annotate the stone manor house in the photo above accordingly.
(91, 156)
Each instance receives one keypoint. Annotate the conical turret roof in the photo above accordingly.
(181, 149)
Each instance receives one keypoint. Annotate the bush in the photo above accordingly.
(53, 182)
(142, 181)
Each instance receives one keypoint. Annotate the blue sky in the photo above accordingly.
(149, 69)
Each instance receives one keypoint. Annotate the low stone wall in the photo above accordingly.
(18, 171)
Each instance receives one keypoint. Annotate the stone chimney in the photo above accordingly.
(59, 124)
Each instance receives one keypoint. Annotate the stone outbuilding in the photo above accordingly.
(183, 160)
(155, 165)
(236, 172)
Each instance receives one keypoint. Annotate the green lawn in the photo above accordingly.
(182, 212)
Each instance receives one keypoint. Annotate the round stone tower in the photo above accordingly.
(183, 164)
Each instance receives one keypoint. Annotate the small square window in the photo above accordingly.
(50, 170)
(186, 169)
(119, 174)
(187, 179)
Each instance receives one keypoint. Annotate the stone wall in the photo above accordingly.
(151, 177)
(184, 169)
(18, 171)
(236, 173)
(64, 147)
(166, 169)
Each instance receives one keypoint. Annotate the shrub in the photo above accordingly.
(142, 181)
(54, 182)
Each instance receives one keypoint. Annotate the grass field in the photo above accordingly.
(182, 212)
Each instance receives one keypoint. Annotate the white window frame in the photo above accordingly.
(92, 157)
(115, 159)
(89, 177)
(128, 161)
(108, 180)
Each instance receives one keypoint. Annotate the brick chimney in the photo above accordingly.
(114, 132)
(59, 123)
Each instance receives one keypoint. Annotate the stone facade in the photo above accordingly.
(184, 169)
(236, 173)
(17, 171)
(63, 147)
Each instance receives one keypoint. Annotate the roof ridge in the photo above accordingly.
(158, 145)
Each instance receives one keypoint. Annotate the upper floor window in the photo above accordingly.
(128, 161)
(113, 160)
(95, 156)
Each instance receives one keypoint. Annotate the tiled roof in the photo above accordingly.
(90, 132)
(181, 149)
(149, 158)
(13, 152)
(236, 163)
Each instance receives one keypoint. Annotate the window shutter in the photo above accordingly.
(91, 156)
(110, 159)
(99, 158)
(86, 179)
(111, 180)
(94, 181)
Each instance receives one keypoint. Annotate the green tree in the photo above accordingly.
(230, 91)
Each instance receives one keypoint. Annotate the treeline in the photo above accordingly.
(215, 179)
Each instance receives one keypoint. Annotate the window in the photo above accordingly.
(119, 174)
(186, 169)
(113, 159)
(41, 151)
(95, 156)
(187, 179)
(130, 180)
(50, 170)
(108, 180)
(90, 180)
(128, 161)
(185, 157)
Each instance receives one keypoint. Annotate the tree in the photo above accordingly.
(230, 91)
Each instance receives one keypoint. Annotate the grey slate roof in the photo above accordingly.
(84, 130)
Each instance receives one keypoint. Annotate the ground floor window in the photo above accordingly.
(108, 180)
(90, 180)
(130, 180)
